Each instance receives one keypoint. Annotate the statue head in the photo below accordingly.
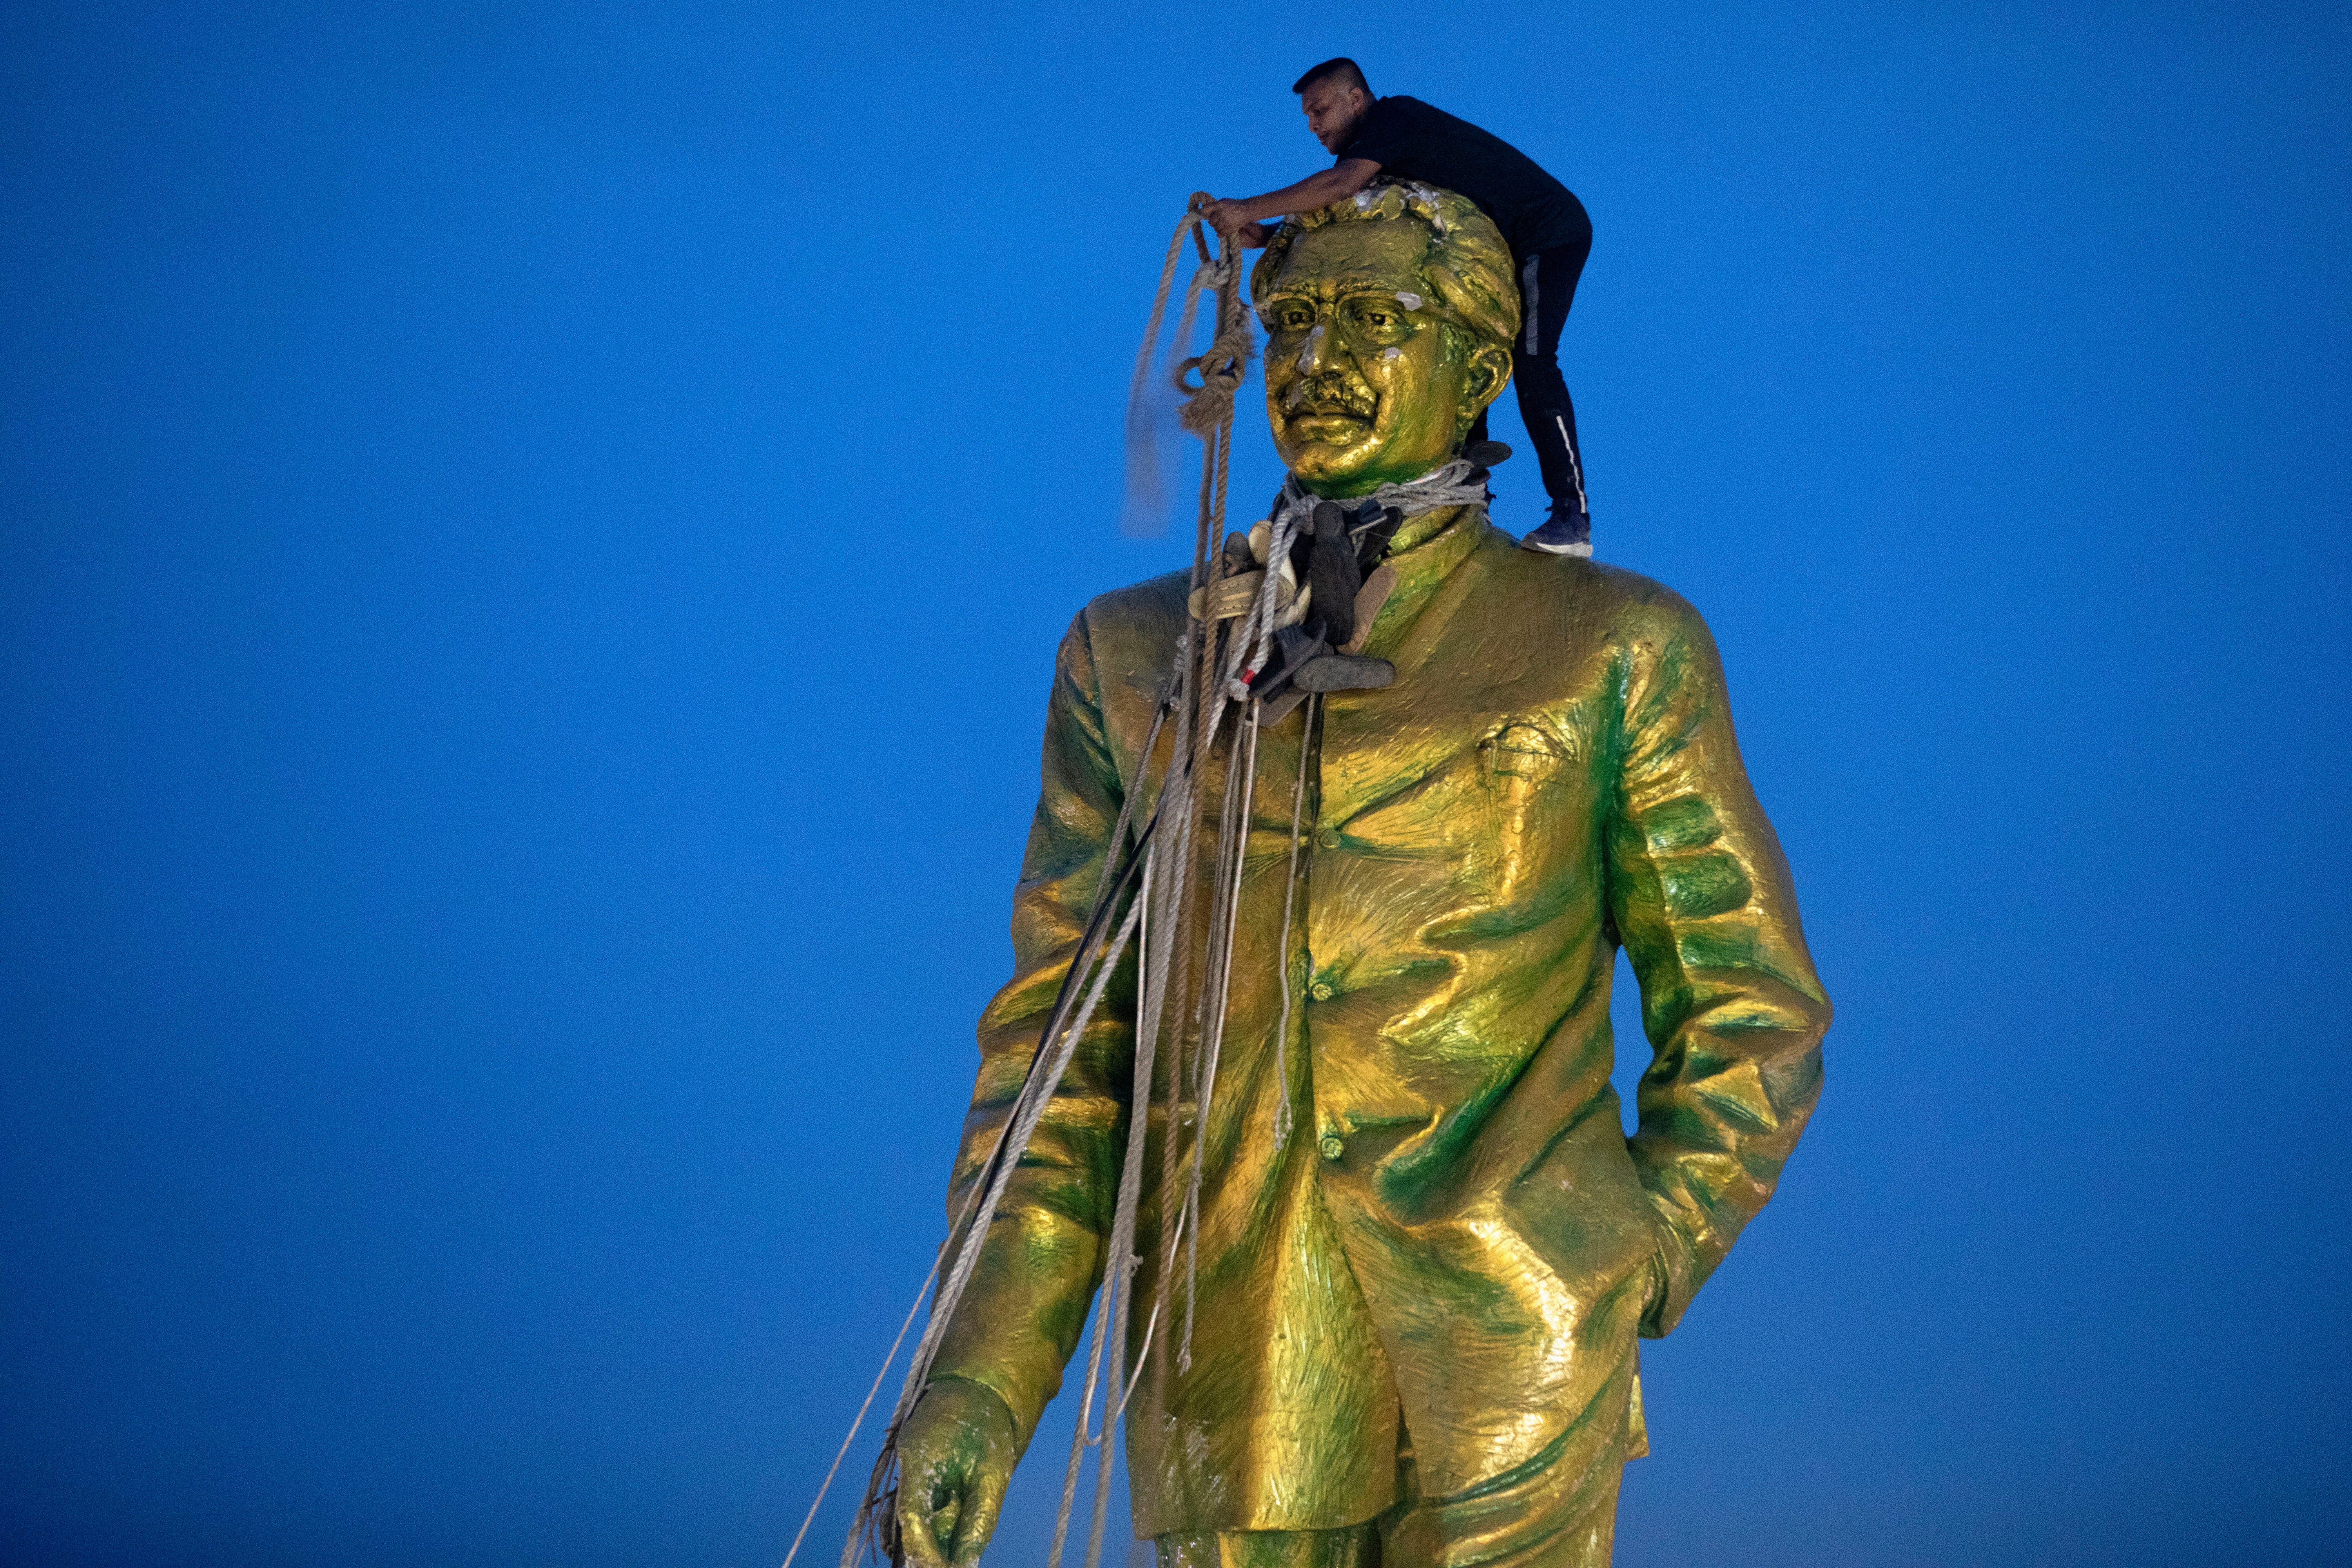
(1389, 321)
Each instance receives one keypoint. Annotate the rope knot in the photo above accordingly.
(1209, 401)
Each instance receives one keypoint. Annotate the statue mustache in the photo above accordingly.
(1330, 392)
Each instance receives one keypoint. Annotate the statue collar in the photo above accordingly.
(1457, 483)
(1347, 557)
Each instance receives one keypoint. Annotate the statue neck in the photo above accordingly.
(1416, 531)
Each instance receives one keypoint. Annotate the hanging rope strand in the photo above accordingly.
(1235, 847)
(1105, 1299)
(859, 1419)
(968, 1259)
(1289, 898)
(873, 1516)
(1143, 491)
(1154, 881)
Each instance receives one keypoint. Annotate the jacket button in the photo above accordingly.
(1328, 837)
(1331, 1146)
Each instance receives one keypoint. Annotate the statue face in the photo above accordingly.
(1364, 384)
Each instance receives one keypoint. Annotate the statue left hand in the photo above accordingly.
(956, 1455)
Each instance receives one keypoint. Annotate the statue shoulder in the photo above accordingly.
(1129, 635)
(1629, 605)
(1153, 607)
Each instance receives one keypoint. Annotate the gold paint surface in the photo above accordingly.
(1388, 322)
(1456, 1241)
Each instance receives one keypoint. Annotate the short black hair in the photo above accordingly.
(1343, 67)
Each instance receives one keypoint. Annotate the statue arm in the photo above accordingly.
(1023, 1314)
(1701, 899)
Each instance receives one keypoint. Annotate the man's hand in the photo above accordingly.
(956, 1455)
(1240, 234)
(1225, 217)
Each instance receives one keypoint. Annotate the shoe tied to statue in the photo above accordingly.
(1565, 532)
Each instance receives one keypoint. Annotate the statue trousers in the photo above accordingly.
(1557, 1510)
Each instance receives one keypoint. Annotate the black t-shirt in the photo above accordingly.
(1410, 140)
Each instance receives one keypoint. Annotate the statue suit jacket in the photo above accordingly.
(1454, 1247)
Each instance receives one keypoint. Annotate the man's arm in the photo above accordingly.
(1234, 218)
(1701, 897)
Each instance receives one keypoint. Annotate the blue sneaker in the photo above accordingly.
(1565, 532)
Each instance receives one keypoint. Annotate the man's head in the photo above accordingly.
(1388, 322)
(1335, 98)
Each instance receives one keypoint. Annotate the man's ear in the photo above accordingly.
(1483, 380)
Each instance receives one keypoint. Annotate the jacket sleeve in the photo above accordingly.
(1023, 1312)
(1701, 897)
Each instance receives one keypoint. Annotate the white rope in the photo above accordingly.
(1143, 458)
(1015, 1136)
(1178, 795)
(1257, 631)
(1184, 859)
(1118, 1269)
(1448, 484)
(1219, 983)
(1156, 911)
(859, 1420)
(1289, 897)
(1079, 1441)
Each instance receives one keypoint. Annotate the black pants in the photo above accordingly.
(1547, 288)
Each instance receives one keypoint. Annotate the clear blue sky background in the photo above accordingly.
(534, 537)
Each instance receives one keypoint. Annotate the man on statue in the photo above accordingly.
(1540, 219)
(1402, 1328)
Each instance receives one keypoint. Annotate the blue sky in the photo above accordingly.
(533, 541)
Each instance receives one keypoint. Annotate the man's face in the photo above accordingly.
(1364, 385)
(1332, 107)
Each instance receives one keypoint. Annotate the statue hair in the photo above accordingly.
(1467, 265)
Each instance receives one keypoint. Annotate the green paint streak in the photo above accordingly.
(1687, 822)
(1705, 885)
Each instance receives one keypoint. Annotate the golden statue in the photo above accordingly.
(1392, 1257)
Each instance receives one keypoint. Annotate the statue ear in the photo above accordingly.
(1483, 380)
